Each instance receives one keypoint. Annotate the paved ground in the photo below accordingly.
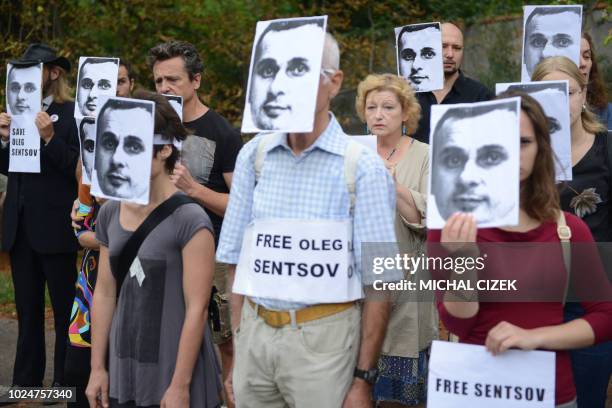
(8, 339)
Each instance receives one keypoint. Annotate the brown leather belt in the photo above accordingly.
(279, 319)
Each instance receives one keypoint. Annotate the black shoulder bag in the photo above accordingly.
(131, 247)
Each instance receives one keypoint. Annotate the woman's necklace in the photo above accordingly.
(396, 148)
(393, 151)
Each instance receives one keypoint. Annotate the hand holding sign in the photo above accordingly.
(5, 123)
(182, 179)
(505, 336)
(459, 230)
(45, 126)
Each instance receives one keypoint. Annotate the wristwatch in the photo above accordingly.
(369, 376)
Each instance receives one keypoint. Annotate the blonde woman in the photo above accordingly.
(589, 196)
(388, 106)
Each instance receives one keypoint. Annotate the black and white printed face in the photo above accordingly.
(177, 104)
(97, 76)
(420, 58)
(24, 90)
(285, 76)
(88, 143)
(123, 152)
(549, 32)
(473, 165)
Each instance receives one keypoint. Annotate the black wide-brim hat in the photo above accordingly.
(37, 53)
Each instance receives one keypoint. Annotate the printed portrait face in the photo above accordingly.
(23, 90)
(123, 155)
(177, 104)
(552, 97)
(285, 75)
(548, 35)
(97, 76)
(420, 58)
(472, 166)
(87, 133)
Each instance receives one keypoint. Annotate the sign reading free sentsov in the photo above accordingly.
(465, 375)
(298, 261)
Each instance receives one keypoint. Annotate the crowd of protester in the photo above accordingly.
(121, 347)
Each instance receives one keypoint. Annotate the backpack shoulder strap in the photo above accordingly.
(260, 153)
(351, 159)
(131, 247)
(565, 234)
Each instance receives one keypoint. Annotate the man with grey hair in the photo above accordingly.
(296, 345)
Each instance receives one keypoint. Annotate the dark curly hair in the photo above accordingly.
(167, 124)
(172, 49)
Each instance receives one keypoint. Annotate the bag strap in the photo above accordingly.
(351, 159)
(131, 247)
(260, 154)
(565, 234)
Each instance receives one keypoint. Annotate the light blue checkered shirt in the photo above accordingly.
(309, 186)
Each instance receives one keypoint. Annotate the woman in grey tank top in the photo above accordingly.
(155, 335)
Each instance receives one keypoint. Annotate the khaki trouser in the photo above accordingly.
(310, 365)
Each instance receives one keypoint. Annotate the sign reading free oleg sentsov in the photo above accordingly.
(465, 375)
(309, 261)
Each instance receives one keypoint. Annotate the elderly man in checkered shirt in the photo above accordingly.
(303, 335)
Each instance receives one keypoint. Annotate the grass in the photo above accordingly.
(7, 305)
(7, 296)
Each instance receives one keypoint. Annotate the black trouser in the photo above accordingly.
(30, 271)
(77, 372)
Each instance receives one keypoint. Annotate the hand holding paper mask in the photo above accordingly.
(5, 123)
(45, 126)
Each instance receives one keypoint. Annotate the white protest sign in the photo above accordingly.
(284, 74)
(548, 31)
(97, 76)
(177, 104)
(23, 102)
(465, 375)
(123, 149)
(308, 261)
(467, 161)
(553, 96)
(24, 156)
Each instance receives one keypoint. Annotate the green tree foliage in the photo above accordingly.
(223, 31)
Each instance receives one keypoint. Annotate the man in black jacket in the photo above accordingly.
(457, 87)
(36, 229)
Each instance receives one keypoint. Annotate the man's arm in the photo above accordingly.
(374, 319)
(236, 300)
(210, 199)
(61, 151)
(228, 179)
